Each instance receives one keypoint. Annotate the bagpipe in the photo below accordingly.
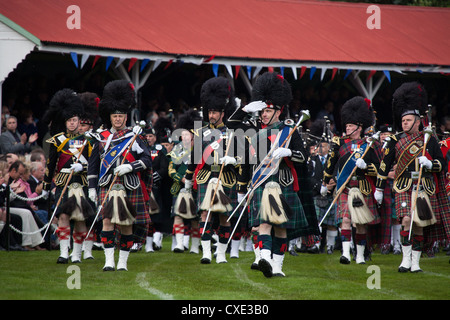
(267, 167)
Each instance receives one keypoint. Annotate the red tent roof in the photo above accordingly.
(244, 29)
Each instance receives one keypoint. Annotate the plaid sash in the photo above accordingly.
(408, 148)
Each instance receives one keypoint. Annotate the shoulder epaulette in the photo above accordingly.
(54, 140)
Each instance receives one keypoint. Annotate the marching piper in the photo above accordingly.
(421, 202)
(67, 165)
(278, 162)
(184, 209)
(214, 174)
(119, 166)
(357, 161)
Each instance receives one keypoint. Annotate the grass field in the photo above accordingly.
(164, 275)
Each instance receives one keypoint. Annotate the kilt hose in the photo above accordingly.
(440, 205)
(342, 204)
(136, 197)
(298, 219)
(230, 192)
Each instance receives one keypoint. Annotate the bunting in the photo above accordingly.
(233, 73)
(74, 58)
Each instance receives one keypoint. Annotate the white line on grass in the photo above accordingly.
(140, 279)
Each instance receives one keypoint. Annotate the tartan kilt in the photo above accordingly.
(441, 209)
(230, 192)
(88, 216)
(136, 197)
(343, 212)
(330, 220)
(297, 221)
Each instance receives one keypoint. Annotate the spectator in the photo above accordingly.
(38, 155)
(12, 142)
(37, 172)
(31, 237)
(26, 123)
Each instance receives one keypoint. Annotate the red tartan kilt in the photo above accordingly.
(342, 206)
(136, 197)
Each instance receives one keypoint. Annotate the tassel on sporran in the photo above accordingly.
(185, 206)
(119, 206)
(221, 203)
(357, 207)
(423, 215)
(274, 207)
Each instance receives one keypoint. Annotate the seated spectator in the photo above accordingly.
(38, 155)
(37, 172)
(12, 142)
(31, 237)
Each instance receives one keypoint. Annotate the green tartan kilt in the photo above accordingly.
(297, 221)
(230, 192)
(330, 219)
(136, 197)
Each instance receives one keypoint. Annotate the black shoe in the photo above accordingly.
(344, 260)
(265, 267)
(109, 269)
(293, 253)
(403, 269)
(313, 249)
(62, 260)
(254, 266)
(205, 261)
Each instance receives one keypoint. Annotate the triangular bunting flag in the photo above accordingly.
(108, 62)
(348, 72)
(84, 58)
(74, 58)
(215, 68)
(131, 64)
(387, 74)
(334, 73)
(168, 64)
(270, 69)
(302, 72)
(282, 71)
(294, 72)
(257, 70)
(313, 70)
(323, 71)
(249, 72)
(121, 60)
(236, 71)
(371, 74)
(156, 64)
(95, 60)
(144, 63)
(229, 69)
